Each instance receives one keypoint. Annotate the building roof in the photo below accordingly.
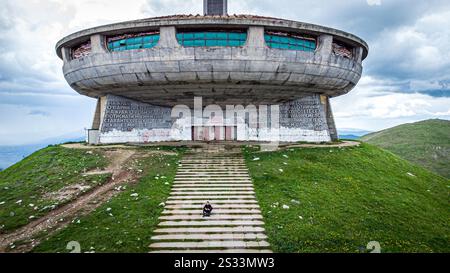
(210, 20)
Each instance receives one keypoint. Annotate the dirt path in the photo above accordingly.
(91, 147)
(83, 205)
(337, 145)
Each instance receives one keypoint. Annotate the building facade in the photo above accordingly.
(166, 78)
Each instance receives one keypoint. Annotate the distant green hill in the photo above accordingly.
(426, 143)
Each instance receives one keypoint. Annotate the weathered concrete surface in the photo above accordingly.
(193, 20)
(158, 78)
(125, 120)
(234, 226)
(170, 74)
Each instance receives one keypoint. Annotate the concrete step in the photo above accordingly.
(212, 186)
(207, 230)
(192, 193)
(212, 182)
(227, 179)
(214, 202)
(207, 189)
(212, 237)
(214, 161)
(236, 222)
(219, 223)
(211, 197)
(203, 171)
(216, 211)
(213, 173)
(212, 244)
(212, 169)
(216, 206)
(218, 251)
(213, 217)
(209, 167)
(213, 165)
(211, 177)
(208, 181)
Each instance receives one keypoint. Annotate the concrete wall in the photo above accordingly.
(127, 120)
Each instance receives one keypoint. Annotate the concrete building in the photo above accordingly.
(139, 70)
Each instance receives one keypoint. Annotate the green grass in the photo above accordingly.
(426, 143)
(133, 219)
(347, 198)
(23, 186)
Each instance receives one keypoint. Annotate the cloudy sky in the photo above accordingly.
(406, 77)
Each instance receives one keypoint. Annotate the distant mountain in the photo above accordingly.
(425, 143)
(9, 155)
(352, 133)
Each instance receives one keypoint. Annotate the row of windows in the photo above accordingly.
(211, 39)
(292, 43)
(148, 41)
(194, 39)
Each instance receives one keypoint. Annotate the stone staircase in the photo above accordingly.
(236, 224)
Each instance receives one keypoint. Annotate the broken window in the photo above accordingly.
(82, 50)
(342, 50)
(282, 40)
(133, 41)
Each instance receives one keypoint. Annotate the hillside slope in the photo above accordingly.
(426, 143)
(340, 199)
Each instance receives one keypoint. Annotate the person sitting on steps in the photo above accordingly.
(207, 209)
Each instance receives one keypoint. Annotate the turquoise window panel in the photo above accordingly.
(212, 43)
(199, 36)
(234, 36)
(222, 36)
(188, 36)
(234, 43)
(188, 43)
(211, 35)
(211, 39)
(290, 43)
(222, 43)
(148, 41)
(199, 43)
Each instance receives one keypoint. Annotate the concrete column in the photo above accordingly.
(102, 102)
(255, 37)
(97, 116)
(330, 118)
(98, 44)
(325, 46)
(66, 54)
(168, 37)
(358, 53)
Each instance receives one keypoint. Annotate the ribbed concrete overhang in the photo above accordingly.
(211, 21)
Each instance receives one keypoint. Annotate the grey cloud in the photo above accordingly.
(39, 113)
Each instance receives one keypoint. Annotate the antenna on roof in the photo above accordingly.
(215, 7)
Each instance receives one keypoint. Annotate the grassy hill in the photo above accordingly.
(426, 143)
(312, 200)
(25, 186)
(340, 199)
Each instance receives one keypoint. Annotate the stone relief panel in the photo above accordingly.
(126, 115)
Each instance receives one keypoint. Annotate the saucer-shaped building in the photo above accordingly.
(139, 70)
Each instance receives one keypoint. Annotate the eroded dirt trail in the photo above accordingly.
(61, 217)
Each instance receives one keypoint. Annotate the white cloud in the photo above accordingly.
(374, 2)
(410, 51)
(372, 109)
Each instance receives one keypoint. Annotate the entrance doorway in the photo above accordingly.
(211, 133)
